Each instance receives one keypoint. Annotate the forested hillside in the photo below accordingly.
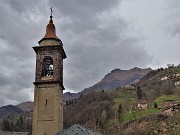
(118, 111)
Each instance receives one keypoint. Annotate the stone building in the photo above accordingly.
(48, 91)
(142, 104)
(177, 83)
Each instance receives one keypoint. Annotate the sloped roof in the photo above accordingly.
(142, 102)
(77, 129)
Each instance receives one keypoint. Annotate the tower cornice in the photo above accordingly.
(50, 82)
(55, 47)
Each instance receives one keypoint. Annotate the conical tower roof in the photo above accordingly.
(51, 30)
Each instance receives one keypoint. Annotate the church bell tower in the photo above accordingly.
(48, 91)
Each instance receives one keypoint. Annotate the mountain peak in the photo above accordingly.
(136, 69)
(116, 70)
(116, 78)
(9, 110)
(26, 106)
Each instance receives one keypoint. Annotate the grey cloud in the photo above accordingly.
(172, 16)
(97, 61)
(83, 8)
(100, 45)
(93, 37)
(17, 37)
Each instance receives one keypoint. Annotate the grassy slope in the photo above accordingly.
(175, 96)
(139, 114)
(156, 126)
(124, 97)
(128, 100)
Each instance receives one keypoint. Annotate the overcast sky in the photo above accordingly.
(98, 36)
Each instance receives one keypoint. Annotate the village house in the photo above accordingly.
(142, 104)
(177, 83)
(164, 78)
(178, 75)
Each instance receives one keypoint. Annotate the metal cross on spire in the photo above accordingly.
(51, 12)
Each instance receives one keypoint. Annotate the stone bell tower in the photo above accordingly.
(48, 93)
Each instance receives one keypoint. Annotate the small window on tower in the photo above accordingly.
(46, 102)
(47, 67)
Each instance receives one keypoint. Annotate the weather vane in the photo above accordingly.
(51, 12)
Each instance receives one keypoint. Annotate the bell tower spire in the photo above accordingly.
(48, 85)
(50, 31)
(51, 13)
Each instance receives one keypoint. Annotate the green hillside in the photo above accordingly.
(175, 96)
(128, 100)
(154, 90)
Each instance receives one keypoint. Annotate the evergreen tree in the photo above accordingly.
(12, 126)
(19, 124)
(155, 105)
(120, 112)
(21, 120)
(139, 93)
(67, 103)
(5, 125)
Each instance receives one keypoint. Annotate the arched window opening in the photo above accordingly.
(47, 67)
